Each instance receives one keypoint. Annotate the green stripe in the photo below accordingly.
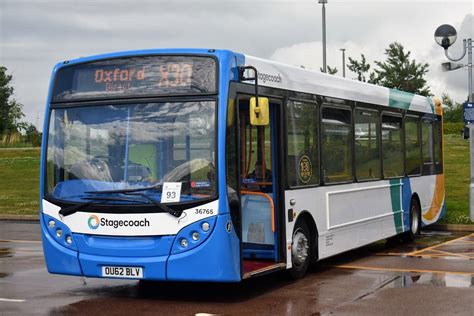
(395, 187)
(399, 99)
(430, 102)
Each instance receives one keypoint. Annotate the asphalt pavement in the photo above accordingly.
(432, 276)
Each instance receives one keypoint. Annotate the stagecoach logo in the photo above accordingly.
(305, 169)
(93, 222)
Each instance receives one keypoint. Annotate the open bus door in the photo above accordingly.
(258, 177)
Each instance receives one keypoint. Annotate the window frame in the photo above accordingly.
(318, 136)
(346, 107)
(418, 117)
(379, 141)
(402, 142)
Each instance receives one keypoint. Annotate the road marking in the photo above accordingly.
(21, 251)
(439, 245)
(447, 254)
(400, 270)
(11, 300)
(22, 241)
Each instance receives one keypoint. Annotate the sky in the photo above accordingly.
(36, 34)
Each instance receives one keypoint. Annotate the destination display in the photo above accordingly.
(136, 77)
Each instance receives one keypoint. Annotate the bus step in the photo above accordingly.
(254, 268)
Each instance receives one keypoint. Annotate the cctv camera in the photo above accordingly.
(445, 35)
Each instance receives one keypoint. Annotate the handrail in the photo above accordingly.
(269, 199)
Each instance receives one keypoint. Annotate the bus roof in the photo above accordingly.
(278, 75)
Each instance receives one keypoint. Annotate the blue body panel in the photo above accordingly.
(406, 199)
(123, 246)
(215, 258)
(59, 259)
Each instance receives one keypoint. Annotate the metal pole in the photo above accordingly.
(343, 62)
(469, 67)
(471, 129)
(324, 38)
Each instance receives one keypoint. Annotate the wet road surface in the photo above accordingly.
(434, 275)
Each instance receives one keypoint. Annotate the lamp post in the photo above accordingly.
(323, 2)
(445, 35)
(343, 50)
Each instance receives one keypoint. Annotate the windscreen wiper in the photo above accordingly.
(125, 190)
(159, 205)
(65, 211)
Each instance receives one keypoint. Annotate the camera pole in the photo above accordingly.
(445, 35)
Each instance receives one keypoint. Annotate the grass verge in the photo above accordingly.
(19, 180)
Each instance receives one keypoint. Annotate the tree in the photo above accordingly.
(330, 70)
(400, 72)
(10, 110)
(454, 111)
(359, 67)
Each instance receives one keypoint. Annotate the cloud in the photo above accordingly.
(35, 35)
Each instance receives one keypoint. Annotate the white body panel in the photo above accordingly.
(158, 223)
(351, 215)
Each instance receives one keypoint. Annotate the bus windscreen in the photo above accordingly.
(136, 77)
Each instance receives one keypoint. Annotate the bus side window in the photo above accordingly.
(427, 146)
(302, 139)
(412, 145)
(392, 146)
(367, 144)
(336, 132)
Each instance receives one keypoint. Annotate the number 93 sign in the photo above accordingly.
(171, 192)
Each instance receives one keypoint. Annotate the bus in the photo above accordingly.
(211, 165)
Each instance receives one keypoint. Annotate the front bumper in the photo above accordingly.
(216, 259)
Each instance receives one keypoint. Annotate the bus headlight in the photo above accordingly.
(59, 231)
(205, 226)
(193, 235)
(183, 243)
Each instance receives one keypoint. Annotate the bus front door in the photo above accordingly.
(258, 190)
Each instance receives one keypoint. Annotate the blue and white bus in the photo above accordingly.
(209, 165)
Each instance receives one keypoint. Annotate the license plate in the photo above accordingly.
(122, 272)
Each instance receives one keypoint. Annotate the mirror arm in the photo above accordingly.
(255, 78)
(464, 46)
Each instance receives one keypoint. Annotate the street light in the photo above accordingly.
(323, 2)
(445, 35)
(343, 50)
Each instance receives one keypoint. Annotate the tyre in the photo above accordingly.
(415, 222)
(301, 248)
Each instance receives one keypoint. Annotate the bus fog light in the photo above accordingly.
(59, 233)
(205, 226)
(51, 224)
(183, 243)
(69, 239)
(195, 236)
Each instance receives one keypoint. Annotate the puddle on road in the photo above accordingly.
(432, 279)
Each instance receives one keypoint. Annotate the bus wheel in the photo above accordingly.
(300, 250)
(415, 222)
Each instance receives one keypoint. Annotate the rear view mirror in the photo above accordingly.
(259, 114)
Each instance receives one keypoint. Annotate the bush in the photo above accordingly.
(453, 128)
